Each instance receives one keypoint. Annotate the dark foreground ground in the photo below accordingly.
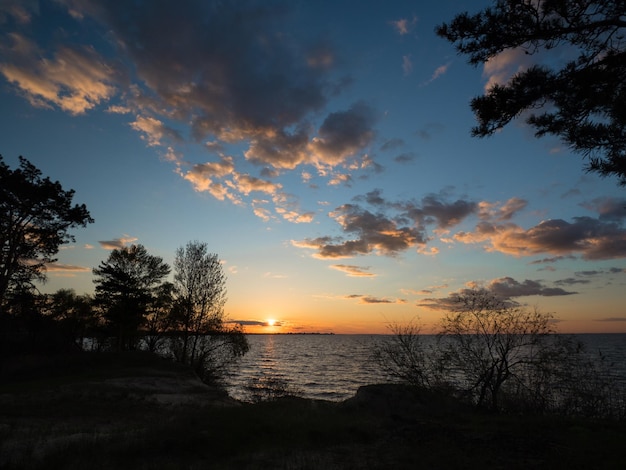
(139, 412)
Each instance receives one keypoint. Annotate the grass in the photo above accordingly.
(67, 417)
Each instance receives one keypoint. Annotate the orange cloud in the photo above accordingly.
(154, 130)
(75, 80)
(246, 184)
(117, 243)
(66, 268)
(403, 26)
(501, 67)
(592, 238)
(353, 271)
(369, 299)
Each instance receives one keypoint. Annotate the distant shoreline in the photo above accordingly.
(291, 333)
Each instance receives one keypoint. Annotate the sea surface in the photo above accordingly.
(333, 367)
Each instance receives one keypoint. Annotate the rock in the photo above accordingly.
(400, 400)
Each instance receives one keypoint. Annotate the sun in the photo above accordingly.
(270, 322)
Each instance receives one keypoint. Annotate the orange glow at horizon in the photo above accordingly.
(570, 323)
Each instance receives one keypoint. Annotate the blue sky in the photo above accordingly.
(321, 149)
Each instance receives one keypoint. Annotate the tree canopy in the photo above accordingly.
(581, 101)
(127, 283)
(36, 215)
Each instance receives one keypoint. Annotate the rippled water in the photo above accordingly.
(333, 367)
(329, 367)
(613, 347)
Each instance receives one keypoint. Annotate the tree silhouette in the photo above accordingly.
(583, 102)
(200, 286)
(127, 283)
(74, 313)
(36, 215)
(200, 295)
(490, 341)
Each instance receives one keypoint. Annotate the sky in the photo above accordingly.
(322, 149)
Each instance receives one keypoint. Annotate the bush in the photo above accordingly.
(270, 388)
(406, 358)
(502, 357)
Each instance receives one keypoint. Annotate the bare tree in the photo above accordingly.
(488, 341)
(406, 357)
(200, 295)
(503, 356)
(200, 286)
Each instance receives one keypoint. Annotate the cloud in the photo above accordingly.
(281, 149)
(21, 10)
(263, 213)
(503, 212)
(66, 268)
(570, 281)
(344, 134)
(75, 79)
(594, 273)
(593, 239)
(270, 275)
(403, 26)
(374, 233)
(353, 271)
(407, 65)
(404, 158)
(439, 71)
(553, 259)
(368, 299)
(321, 56)
(391, 227)
(154, 130)
(404, 226)
(229, 73)
(234, 77)
(202, 176)
(430, 129)
(373, 198)
(117, 243)
(435, 209)
(288, 207)
(501, 67)
(294, 216)
(507, 287)
(340, 178)
(612, 319)
(391, 144)
(246, 184)
(609, 209)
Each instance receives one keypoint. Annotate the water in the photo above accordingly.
(333, 367)
(328, 367)
(613, 347)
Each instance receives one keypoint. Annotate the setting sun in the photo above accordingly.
(271, 322)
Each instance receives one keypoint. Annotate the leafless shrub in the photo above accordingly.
(270, 388)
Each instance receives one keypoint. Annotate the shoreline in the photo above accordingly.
(141, 411)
